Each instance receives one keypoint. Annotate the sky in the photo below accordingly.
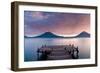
(36, 22)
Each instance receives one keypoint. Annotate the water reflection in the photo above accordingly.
(31, 46)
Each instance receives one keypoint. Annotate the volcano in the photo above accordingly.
(52, 35)
(49, 35)
(83, 34)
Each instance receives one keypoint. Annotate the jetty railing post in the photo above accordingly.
(38, 54)
(77, 51)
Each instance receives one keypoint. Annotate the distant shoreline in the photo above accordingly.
(57, 38)
(52, 35)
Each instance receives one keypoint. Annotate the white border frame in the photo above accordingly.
(34, 64)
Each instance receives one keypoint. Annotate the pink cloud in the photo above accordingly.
(38, 16)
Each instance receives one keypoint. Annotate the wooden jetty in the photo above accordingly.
(57, 52)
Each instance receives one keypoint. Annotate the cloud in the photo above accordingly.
(39, 16)
(60, 23)
(35, 16)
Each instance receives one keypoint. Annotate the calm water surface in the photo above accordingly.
(32, 44)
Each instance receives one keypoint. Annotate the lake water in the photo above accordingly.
(32, 44)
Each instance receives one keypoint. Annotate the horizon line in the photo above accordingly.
(72, 35)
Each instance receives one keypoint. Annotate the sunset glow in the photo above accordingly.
(64, 24)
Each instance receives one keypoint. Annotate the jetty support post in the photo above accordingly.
(38, 54)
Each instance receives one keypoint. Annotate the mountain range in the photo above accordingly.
(52, 35)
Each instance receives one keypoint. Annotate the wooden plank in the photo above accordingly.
(56, 52)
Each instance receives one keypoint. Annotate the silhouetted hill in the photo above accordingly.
(48, 35)
(26, 36)
(52, 35)
(83, 34)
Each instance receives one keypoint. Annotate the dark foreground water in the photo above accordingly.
(32, 44)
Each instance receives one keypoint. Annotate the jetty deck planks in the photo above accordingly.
(58, 52)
